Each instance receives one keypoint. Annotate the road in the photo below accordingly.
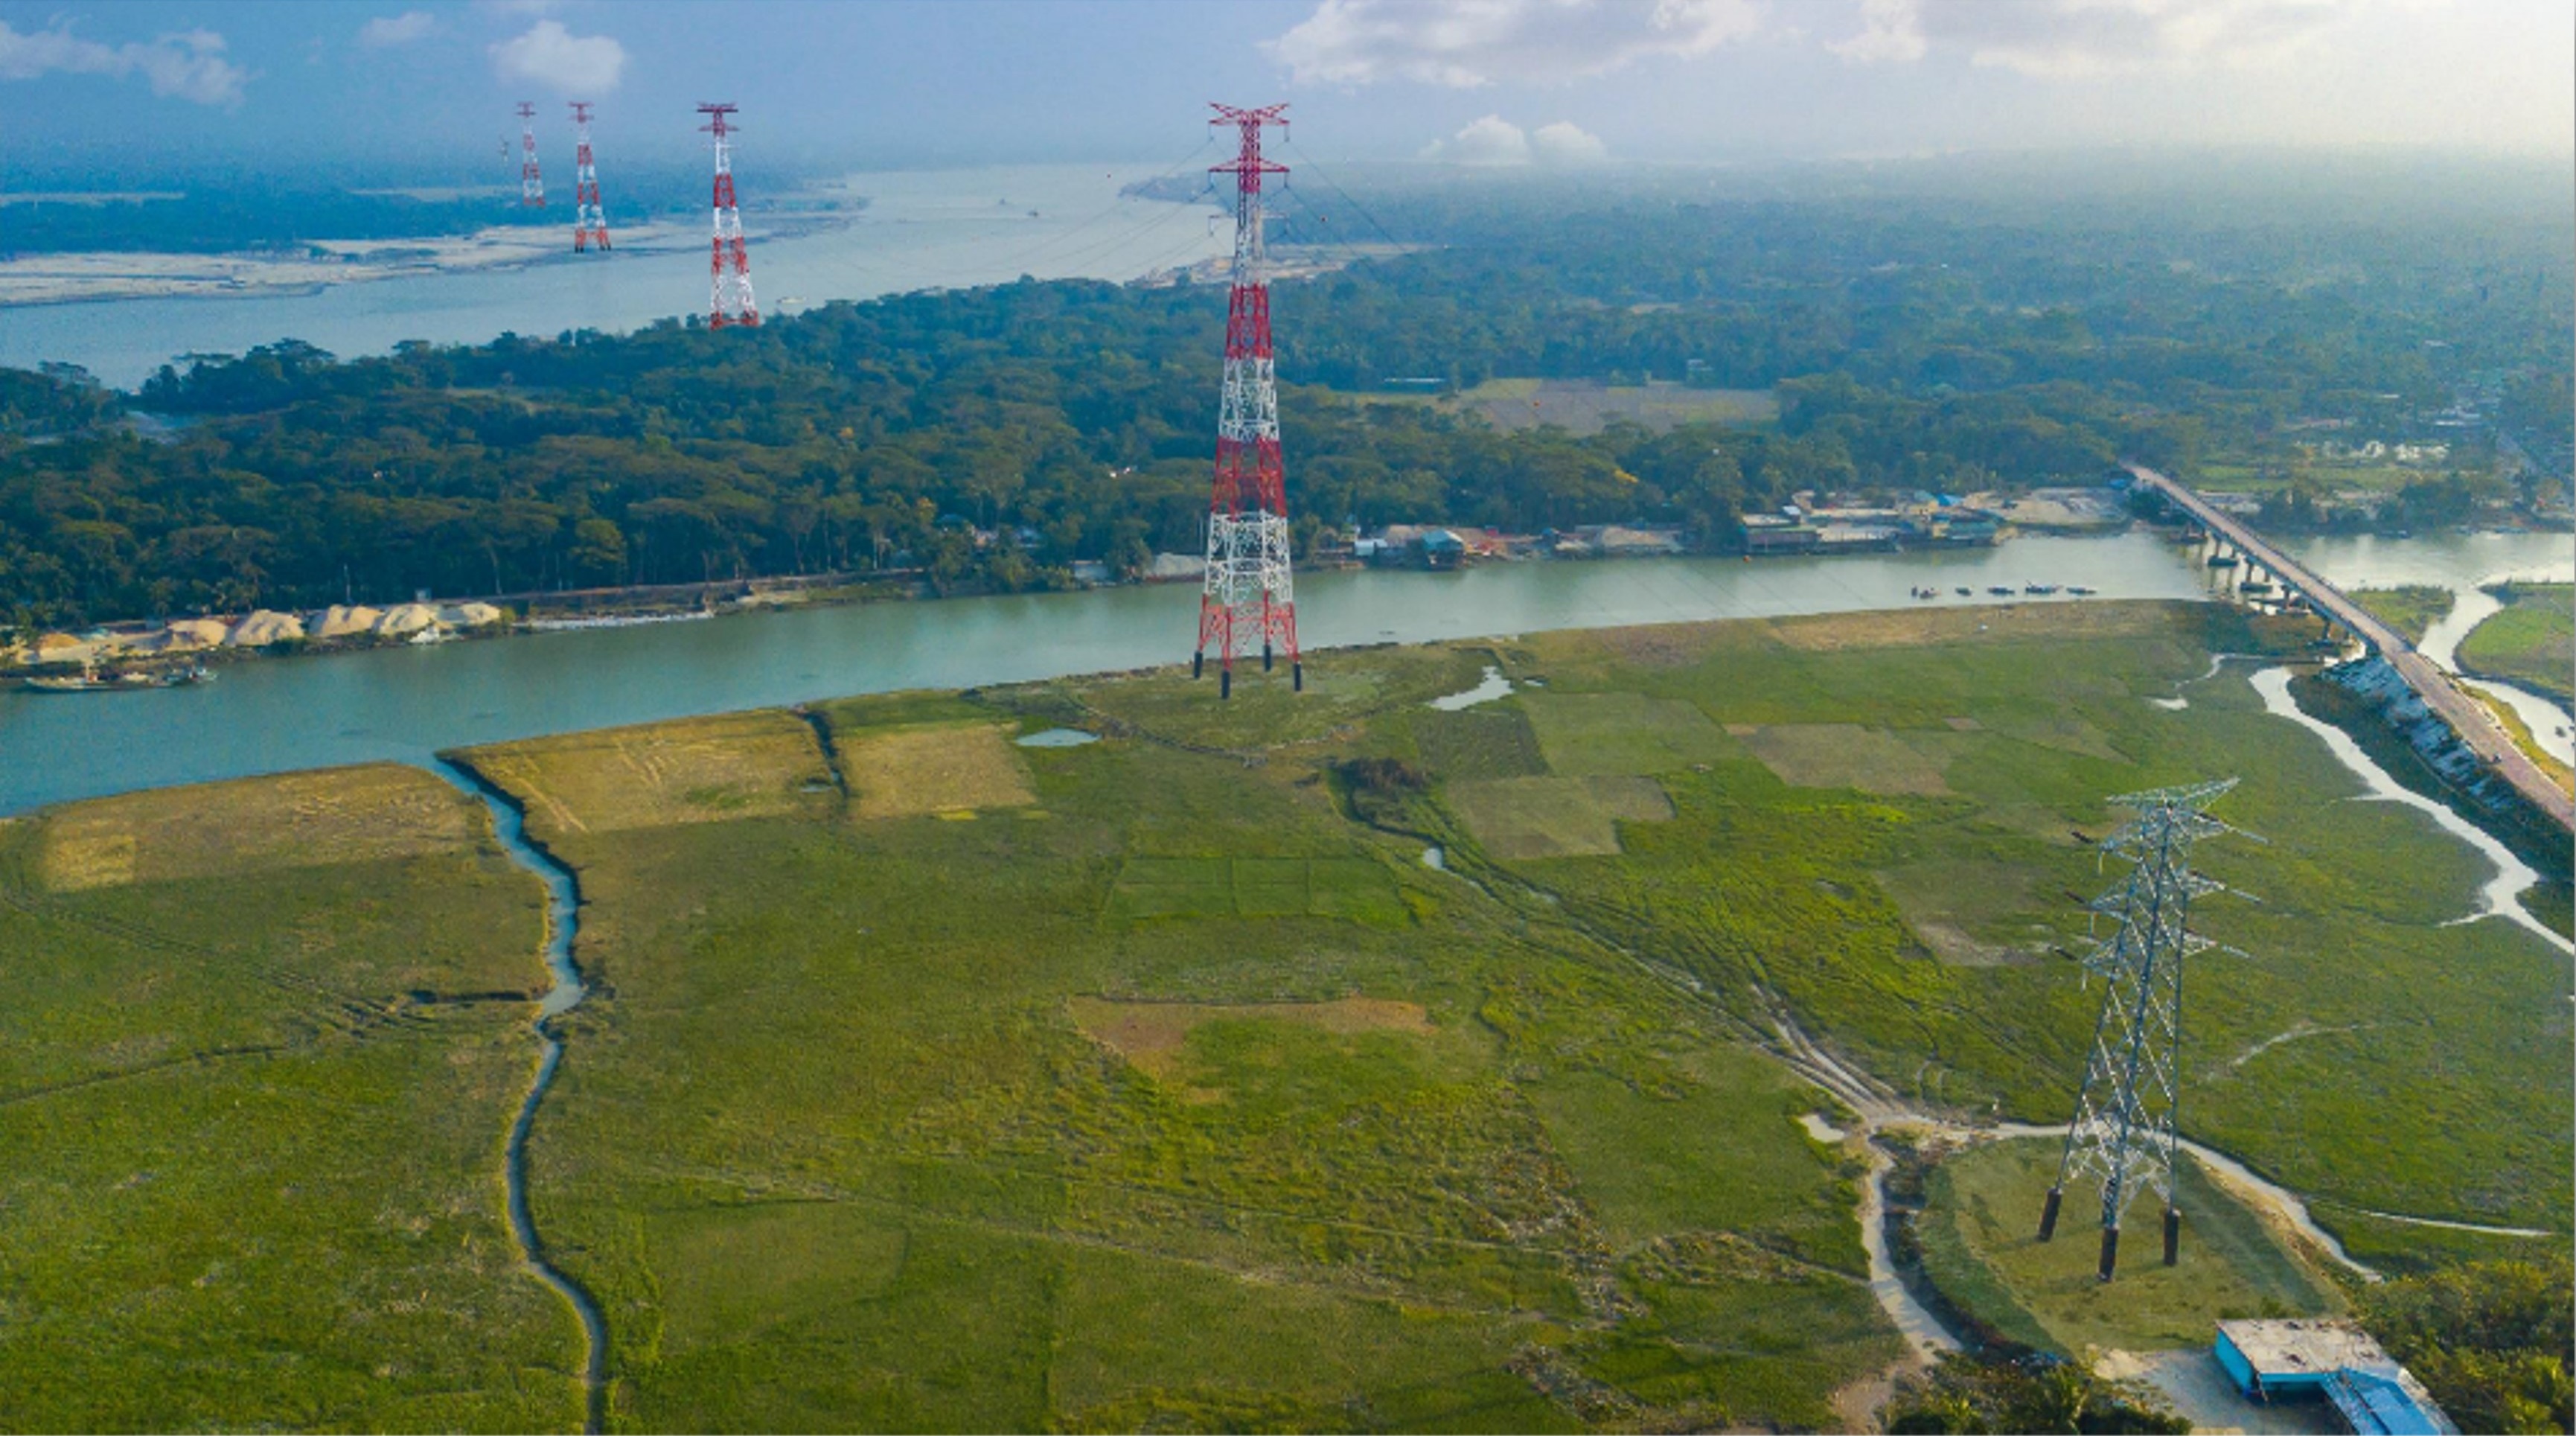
(2467, 715)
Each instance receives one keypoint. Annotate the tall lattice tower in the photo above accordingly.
(1249, 588)
(2123, 1133)
(589, 221)
(729, 298)
(532, 186)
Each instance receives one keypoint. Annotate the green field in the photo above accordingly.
(1159, 1083)
(2410, 609)
(253, 1093)
(2531, 642)
(1583, 406)
(1979, 1234)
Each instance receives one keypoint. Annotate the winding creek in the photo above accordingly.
(563, 923)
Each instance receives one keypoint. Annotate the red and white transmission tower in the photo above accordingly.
(532, 188)
(589, 221)
(1249, 591)
(729, 298)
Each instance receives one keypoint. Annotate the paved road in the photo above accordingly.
(2468, 717)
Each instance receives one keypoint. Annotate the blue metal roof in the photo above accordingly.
(2378, 1403)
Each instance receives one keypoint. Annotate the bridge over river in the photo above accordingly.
(2466, 715)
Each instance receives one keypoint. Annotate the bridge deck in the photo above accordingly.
(2468, 717)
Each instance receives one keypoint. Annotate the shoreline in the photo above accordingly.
(142, 276)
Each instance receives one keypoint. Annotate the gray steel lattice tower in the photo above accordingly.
(2123, 1132)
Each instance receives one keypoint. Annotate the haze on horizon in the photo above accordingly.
(103, 95)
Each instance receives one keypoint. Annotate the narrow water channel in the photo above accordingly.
(2502, 894)
(563, 921)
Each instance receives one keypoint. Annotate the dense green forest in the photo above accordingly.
(1915, 342)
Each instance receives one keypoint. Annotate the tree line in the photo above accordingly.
(1918, 349)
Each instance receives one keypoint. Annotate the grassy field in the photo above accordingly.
(2410, 609)
(1979, 1234)
(2531, 642)
(254, 1077)
(932, 1081)
(1585, 407)
(2358, 474)
(1165, 1095)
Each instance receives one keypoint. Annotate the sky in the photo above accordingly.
(111, 94)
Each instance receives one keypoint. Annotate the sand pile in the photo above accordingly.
(263, 627)
(469, 615)
(347, 622)
(184, 634)
(406, 618)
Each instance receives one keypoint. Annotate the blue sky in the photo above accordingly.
(422, 87)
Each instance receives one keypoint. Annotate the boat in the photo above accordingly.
(1966, 592)
(92, 681)
(2039, 588)
(2079, 590)
(2000, 591)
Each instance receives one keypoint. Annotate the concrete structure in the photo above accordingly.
(2333, 1361)
(2466, 716)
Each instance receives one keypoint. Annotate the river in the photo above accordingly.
(921, 229)
(2460, 563)
(408, 703)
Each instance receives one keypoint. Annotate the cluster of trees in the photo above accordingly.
(2026, 1393)
(2490, 1340)
(1918, 347)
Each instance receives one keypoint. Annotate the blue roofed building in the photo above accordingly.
(2332, 1362)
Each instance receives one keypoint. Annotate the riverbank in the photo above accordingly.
(403, 703)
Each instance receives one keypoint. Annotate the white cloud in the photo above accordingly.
(399, 29)
(2080, 38)
(553, 56)
(1466, 43)
(1492, 140)
(1889, 33)
(1565, 143)
(189, 64)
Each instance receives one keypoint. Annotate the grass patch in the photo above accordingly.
(1586, 734)
(1520, 819)
(1844, 755)
(1980, 912)
(254, 1124)
(1150, 1035)
(907, 772)
(1980, 1248)
(1491, 741)
(2411, 609)
(700, 770)
(2530, 642)
(1355, 888)
(344, 815)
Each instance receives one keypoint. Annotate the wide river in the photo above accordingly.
(406, 703)
(921, 230)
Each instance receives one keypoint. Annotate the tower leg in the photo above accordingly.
(2048, 1213)
(1198, 664)
(1225, 682)
(2110, 1251)
(1296, 677)
(2173, 1235)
